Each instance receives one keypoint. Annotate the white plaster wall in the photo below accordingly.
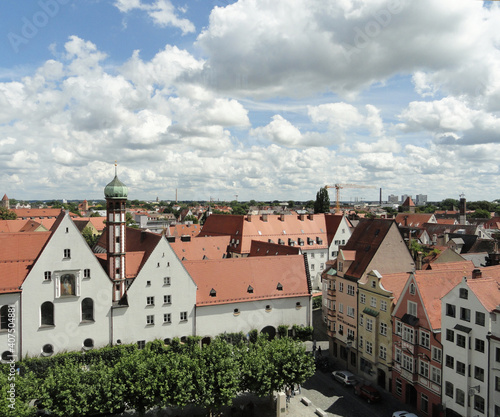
(342, 235)
(216, 319)
(130, 325)
(13, 300)
(69, 331)
(317, 261)
(470, 357)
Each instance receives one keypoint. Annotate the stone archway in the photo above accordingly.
(206, 341)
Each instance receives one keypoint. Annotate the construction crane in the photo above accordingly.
(338, 187)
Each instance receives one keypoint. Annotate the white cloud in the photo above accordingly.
(162, 12)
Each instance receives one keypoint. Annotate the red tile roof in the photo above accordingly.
(201, 248)
(258, 248)
(265, 227)
(18, 254)
(12, 226)
(179, 230)
(231, 279)
(487, 288)
(413, 219)
(394, 283)
(39, 213)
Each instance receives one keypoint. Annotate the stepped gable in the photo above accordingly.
(248, 279)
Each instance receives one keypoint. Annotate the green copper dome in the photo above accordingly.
(116, 189)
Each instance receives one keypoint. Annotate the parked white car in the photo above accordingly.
(346, 377)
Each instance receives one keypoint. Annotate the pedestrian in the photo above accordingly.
(319, 350)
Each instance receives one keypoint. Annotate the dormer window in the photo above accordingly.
(213, 293)
(250, 289)
(279, 287)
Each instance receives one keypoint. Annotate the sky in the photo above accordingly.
(249, 99)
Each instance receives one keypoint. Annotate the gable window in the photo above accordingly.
(150, 301)
(87, 309)
(480, 318)
(412, 289)
(464, 293)
(279, 287)
(47, 275)
(464, 314)
(67, 253)
(412, 308)
(450, 310)
(166, 280)
(213, 293)
(47, 314)
(86, 273)
(250, 289)
(340, 266)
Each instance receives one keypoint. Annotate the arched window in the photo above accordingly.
(87, 309)
(47, 314)
(4, 320)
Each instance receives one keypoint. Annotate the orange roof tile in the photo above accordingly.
(413, 219)
(178, 230)
(259, 248)
(394, 283)
(231, 279)
(18, 254)
(201, 248)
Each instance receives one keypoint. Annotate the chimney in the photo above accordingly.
(302, 217)
(310, 216)
(477, 273)
(463, 209)
(420, 258)
(249, 217)
(264, 217)
(282, 217)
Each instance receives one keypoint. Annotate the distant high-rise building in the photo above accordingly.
(392, 199)
(421, 199)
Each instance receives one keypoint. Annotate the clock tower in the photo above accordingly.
(116, 197)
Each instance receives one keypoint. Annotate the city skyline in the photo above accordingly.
(264, 100)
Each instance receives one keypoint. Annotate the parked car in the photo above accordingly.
(367, 392)
(403, 414)
(346, 377)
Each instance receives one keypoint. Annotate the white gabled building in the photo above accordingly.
(471, 367)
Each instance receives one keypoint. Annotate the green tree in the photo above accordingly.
(480, 214)
(89, 237)
(6, 214)
(191, 218)
(448, 204)
(322, 203)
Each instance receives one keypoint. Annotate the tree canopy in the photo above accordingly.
(6, 214)
(322, 203)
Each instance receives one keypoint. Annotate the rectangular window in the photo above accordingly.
(497, 354)
(150, 320)
(424, 403)
(369, 348)
(167, 318)
(383, 329)
(480, 318)
(480, 345)
(167, 299)
(397, 355)
(424, 369)
(437, 354)
(47, 275)
(460, 368)
(369, 325)
(479, 373)
(479, 403)
(166, 280)
(341, 329)
(408, 334)
(184, 315)
(425, 339)
(383, 353)
(464, 314)
(383, 305)
(312, 267)
(341, 286)
(450, 335)
(350, 311)
(461, 341)
(361, 320)
(373, 302)
(436, 375)
(460, 397)
(67, 253)
(361, 342)
(497, 383)
(407, 363)
(86, 273)
(150, 301)
(141, 344)
(448, 389)
(350, 334)
(341, 308)
(450, 361)
(463, 293)
(399, 328)
(399, 387)
(362, 298)
(450, 310)
(350, 289)
(412, 308)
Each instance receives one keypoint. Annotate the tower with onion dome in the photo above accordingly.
(116, 198)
